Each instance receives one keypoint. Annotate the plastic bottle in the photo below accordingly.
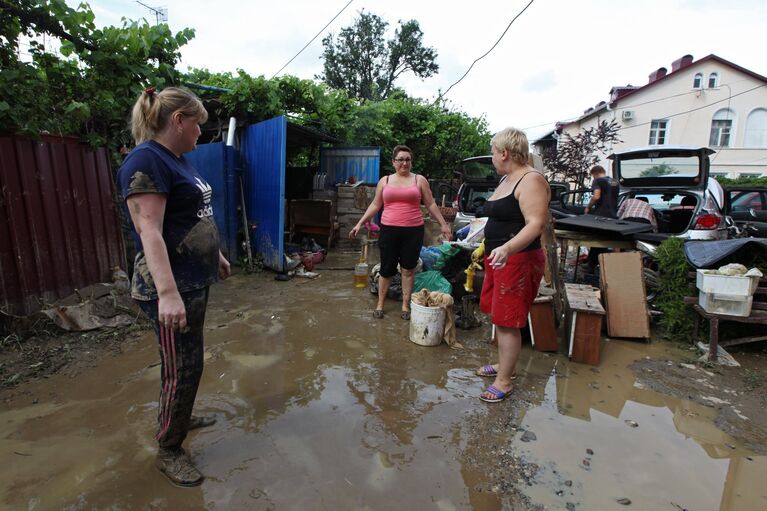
(361, 268)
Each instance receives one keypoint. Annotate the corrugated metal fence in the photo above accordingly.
(217, 164)
(341, 163)
(59, 228)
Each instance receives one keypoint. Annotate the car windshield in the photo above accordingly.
(480, 168)
(474, 195)
(672, 166)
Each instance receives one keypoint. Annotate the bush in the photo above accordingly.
(742, 181)
(677, 319)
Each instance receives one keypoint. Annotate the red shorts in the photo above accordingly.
(508, 293)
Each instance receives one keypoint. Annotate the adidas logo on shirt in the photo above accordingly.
(207, 192)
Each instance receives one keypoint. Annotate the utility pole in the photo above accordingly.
(160, 13)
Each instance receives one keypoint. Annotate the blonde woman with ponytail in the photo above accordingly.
(177, 258)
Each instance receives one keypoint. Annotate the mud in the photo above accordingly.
(142, 269)
(141, 182)
(202, 239)
(320, 406)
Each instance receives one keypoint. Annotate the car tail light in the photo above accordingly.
(707, 221)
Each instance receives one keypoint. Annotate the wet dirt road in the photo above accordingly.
(320, 406)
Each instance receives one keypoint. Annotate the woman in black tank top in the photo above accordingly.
(505, 221)
(514, 263)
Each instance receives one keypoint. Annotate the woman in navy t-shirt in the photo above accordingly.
(177, 258)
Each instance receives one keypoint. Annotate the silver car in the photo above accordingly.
(674, 180)
(479, 182)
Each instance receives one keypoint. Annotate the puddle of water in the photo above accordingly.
(249, 361)
(601, 438)
(320, 406)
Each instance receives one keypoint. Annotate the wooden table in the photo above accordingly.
(586, 239)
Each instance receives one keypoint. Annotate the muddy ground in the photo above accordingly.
(320, 406)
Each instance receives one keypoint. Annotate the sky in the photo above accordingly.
(557, 59)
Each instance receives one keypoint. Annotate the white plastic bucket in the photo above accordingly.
(427, 324)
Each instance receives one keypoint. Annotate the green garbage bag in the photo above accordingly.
(433, 281)
(446, 252)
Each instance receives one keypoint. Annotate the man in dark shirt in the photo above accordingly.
(604, 194)
(604, 202)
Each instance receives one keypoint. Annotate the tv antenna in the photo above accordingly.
(160, 13)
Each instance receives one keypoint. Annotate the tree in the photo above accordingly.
(362, 63)
(574, 157)
(440, 136)
(88, 86)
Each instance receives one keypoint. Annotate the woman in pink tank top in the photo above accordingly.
(401, 238)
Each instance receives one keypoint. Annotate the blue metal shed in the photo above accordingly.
(341, 163)
(263, 152)
(263, 149)
(217, 164)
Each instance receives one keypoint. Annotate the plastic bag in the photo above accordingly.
(433, 281)
(446, 253)
(461, 233)
(429, 256)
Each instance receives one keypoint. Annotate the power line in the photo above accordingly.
(728, 98)
(694, 91)
(313, 38)
(488, 51)
(550, 123)
(627, 107)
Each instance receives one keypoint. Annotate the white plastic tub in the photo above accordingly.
(731, 305)
(726, 284)
(427, 325)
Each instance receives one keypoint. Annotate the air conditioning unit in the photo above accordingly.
(627, 115)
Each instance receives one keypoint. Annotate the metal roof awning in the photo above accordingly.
(302, 136)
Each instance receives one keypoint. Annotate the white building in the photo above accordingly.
(710, 102)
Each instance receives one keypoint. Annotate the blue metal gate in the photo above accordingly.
(217, 164)
(341, 163)
(263, 152)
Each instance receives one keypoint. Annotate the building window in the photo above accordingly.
(756, 129)
(713, 80)
(697, 82)
(658, 132)
(721, 128)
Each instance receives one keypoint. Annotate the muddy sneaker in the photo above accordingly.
(201, 421)
(178, 468)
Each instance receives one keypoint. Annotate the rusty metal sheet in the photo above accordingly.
(58, 221)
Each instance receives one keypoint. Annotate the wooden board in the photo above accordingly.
(583, 298)
(625, 300)
(542, 327)
(585, 337)
(583, 323)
